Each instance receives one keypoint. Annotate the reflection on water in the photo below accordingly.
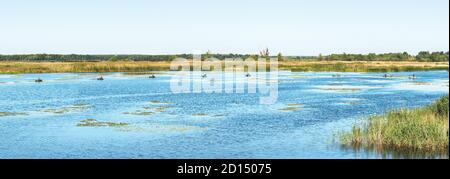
(396, 153)
(132, 116)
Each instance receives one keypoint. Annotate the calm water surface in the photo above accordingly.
(40, 120)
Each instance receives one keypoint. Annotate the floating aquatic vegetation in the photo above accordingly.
(219, 115)
(56, 111)
(161, 109)
(4, 114)
(292, 107)
(421, 83)
(295, 105)
(67, 109)
(342, 89)
(147, 108)
(139, 113)
(287, 109)
(200, 114)
(95, 123)
(156, 102)
(351, 103)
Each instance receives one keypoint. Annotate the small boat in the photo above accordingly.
(248, 75)
(204, 76)
(152, 76)
(39, 80)
(413, 77)
(100, 78)
(337, 76)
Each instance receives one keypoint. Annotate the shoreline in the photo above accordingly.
(16, 67)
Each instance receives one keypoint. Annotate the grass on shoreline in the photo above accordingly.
(363, 66)
(11, 67)
(423, 131)
(81, 67)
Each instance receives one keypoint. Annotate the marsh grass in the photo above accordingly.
(419, 132)
(318, 66)
(81, 67)
(146, 67)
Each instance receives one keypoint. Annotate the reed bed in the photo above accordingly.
(12, 67)
(422, 131)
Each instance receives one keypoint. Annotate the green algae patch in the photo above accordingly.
(95, 123)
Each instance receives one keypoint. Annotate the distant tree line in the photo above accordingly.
(90, 58)
(434, 56)
(422, 56)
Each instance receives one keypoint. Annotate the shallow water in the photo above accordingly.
(43, 120)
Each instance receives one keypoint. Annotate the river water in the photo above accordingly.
(45, 120)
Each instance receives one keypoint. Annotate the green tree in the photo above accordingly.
(280, 57)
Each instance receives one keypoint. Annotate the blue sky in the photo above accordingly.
(293, 27)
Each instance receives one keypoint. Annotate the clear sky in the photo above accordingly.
(293, 27)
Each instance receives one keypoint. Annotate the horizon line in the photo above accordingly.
(275, 54)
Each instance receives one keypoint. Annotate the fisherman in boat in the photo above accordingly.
(413, 77)
(100, 78)
(39, 80)
(152, 76)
